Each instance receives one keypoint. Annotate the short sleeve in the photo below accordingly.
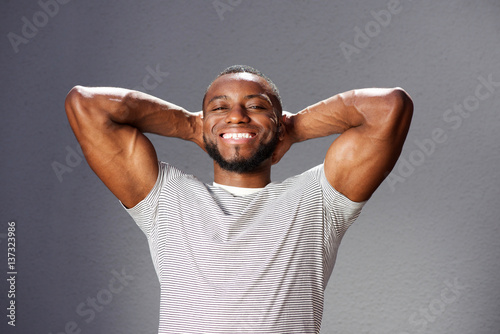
(144, 213)
(340, 211)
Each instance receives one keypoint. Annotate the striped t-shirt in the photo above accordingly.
(243, 264)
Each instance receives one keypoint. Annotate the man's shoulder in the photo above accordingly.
(169, 171)
(173, 179)
(314, 172)
(296, 183)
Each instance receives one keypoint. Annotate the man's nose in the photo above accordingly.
(237, 114)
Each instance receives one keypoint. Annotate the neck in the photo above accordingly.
(259, 178)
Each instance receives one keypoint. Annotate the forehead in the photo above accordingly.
(239, 83)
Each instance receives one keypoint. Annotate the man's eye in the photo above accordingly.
(256, 107)
(218, 108)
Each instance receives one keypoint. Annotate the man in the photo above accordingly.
(243, 255)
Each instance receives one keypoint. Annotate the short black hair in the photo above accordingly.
(248, 69)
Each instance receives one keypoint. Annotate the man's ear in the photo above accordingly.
(281, 131)
(281, 128)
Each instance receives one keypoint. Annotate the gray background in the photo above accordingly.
(433, 224)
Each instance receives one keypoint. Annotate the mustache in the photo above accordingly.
(242, 165)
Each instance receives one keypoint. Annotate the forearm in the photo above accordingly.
(126, 107)
(376, 109)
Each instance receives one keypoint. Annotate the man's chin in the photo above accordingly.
(239, 164)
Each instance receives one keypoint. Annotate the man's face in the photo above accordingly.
(240, 125)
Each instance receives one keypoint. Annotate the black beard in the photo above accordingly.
(241, 165)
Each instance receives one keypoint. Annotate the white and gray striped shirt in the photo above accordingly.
(257, 263)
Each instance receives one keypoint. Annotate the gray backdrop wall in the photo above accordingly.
(423, 256)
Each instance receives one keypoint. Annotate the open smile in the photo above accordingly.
(238, 135)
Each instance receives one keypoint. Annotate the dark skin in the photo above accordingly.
(109, 124)
(241, 103)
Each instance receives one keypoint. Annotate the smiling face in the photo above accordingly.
(240, 123)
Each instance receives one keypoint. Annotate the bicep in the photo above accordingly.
(361, 157)
(356, 163)
(121, 156)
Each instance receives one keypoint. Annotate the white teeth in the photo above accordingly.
(236, 135)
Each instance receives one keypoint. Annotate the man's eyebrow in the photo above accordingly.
(259, 96)
(248, 97)
(218, 97)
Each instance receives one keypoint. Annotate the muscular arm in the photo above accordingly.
(109, 124)
(373, 124)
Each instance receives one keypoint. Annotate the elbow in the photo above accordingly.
(399, 111)
(74, 100)
(401, 104)
(391, 114)
(78, 109)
